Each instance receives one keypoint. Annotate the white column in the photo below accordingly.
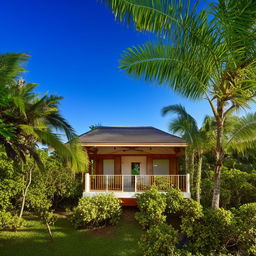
(135, 183)
(187, 183)
(87, 182)
(122, 183)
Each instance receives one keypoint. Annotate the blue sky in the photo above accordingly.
(75, 47)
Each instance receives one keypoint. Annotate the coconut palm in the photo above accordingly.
(28, 119)
(202, 54)
(239, 136)
(198, 142)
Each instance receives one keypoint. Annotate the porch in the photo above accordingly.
(126, 186)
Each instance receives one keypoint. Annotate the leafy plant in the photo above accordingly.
(245, 218)
(160, 240)
(97, 211)
(152, 205)
(207, 53)
(10, 222)
(11, 183)
(174, 200)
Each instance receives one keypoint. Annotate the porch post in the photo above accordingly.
(187, 183)
(87, 182)
(135, 184)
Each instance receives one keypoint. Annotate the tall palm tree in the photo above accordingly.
(186, 126)
(28, 119)
(202, 54)
(239, 136)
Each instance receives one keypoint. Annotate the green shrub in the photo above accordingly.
(212, 233)
(100, 210)
(219, 232)
(245, 218)
(10, 222)
(159, 240)
(152, 205)
(174, 200)
(190, 213)
(162, 183)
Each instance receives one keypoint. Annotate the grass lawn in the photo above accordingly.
(34, 240)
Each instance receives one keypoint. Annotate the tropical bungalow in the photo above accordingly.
(129, 160)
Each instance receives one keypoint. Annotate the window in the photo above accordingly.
(161, 166)
(108, 167)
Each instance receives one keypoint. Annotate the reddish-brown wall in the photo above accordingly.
(173, 164)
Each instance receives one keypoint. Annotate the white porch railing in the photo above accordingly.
(135, 183)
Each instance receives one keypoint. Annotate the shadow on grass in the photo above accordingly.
(120, 240)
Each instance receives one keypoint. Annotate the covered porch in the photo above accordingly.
(126, 186)
(130, 160)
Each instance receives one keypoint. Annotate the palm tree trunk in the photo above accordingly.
(198, 177)
(192, 171)
(186, 161)
(25, 191)
(219, 155)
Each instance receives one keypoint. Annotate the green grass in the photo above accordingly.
(120, 240)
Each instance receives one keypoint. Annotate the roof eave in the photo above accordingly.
(125, 144)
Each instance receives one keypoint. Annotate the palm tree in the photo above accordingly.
(239, 137)
(202, 54)
(28, 119)
(186, 126)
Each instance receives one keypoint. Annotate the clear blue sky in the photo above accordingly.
(75, 46)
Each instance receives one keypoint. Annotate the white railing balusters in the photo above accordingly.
(135, 183)
(106, 183)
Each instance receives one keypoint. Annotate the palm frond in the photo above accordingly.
(243, 136)
(72, 152)
(11, 67)
(159, 16)
(176, 67)
(184, 124)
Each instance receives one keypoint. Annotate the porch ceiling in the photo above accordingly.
(134, 150)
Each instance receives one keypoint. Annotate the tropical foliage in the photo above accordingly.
(201, 53)
(97, 211)
(151, 206)
(237, 187)
(10, 222)
(28, 119)
(199, 141)
(237, 134)
(201, 231)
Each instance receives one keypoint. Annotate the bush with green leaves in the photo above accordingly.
(56, 181)
(10, 222)
(100, 210)
(160, 240)
(152, 205)
(174, 200)
(237, 188)
(222, 231)
(245, 219)
(210, 233)
(11, 183)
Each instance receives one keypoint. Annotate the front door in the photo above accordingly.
(131, 166)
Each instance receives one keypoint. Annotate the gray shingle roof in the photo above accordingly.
(144, 134)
